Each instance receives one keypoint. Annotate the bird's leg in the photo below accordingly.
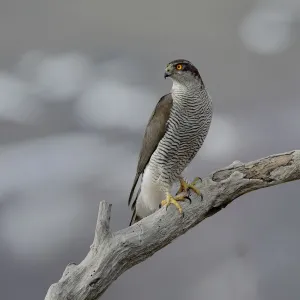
(173, 200)
(185, 187)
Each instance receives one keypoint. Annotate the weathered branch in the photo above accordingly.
(111, 254)
(102, 228)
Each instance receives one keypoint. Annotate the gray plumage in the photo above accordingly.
(175, 132)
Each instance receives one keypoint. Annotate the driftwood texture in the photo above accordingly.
(112, 253)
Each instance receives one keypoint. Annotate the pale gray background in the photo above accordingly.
(78, 81)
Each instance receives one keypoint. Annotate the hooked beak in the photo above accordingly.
(168, 71)
(167, 74)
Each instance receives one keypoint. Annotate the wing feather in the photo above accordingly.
(155, 130)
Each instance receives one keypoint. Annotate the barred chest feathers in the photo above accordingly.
(187, 128)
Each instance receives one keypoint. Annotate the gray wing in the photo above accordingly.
(155, 130)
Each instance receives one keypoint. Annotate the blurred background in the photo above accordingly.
(78, 81)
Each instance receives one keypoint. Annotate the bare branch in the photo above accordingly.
(102, 227)
(113, 253)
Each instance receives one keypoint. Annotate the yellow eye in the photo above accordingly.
(179, 67)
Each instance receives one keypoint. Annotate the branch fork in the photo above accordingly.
(111, 254)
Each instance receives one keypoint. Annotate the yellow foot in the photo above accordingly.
(185, 187)
(173, 200)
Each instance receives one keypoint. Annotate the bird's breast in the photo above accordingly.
(187, 128)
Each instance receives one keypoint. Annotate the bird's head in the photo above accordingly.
(182, 71)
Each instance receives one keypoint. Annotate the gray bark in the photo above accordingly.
(112, 253)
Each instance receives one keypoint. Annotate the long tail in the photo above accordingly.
(136, 178)
(134, 218)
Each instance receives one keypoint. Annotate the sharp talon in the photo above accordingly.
(182, 214)
(195, 180)
(201, 196)
(188, 198)
(159, 206)
(173, 200)
(186, 187)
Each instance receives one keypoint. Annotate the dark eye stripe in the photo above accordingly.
(183, 66)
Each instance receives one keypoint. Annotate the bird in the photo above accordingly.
(173, 136)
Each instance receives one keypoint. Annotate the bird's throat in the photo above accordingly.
(185, 92)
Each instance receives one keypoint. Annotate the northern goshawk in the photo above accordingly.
(174, 134)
